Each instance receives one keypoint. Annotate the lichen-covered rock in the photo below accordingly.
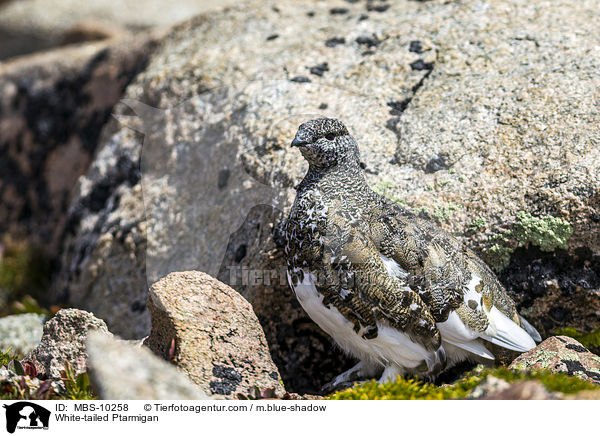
(209, 331)
(119, 370)
(52, 111)
(21, 333)
(561, 354)
(479, 115)
(63, 340)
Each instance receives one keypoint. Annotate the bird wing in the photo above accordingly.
(357, 274)
(462, 293)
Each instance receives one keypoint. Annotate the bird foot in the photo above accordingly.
(359, 373)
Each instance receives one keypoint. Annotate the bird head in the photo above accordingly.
(325, 143)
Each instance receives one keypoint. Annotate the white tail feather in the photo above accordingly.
(530, 329)
(505, 332)
(476, 348)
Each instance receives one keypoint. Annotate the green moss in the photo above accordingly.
(589, 340)
(554, 382)
(546, 232)
(404, 389)
(411, 389)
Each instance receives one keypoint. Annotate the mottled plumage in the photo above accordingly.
(393, 290)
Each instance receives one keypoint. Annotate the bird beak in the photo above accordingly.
(297, 142)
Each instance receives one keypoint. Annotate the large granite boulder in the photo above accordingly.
(477, 114)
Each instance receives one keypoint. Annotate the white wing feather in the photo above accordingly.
(501, 330)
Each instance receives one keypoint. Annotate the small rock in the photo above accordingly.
(525, 390)
(211, 332)
(561, 354)
(122, 371)
(63, 339)
(584, 395)
(489, 386)
(21, 333)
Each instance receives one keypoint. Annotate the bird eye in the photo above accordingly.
(330, 136)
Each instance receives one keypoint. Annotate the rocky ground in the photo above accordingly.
(479, 115)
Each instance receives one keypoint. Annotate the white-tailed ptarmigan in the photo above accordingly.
(393, 290)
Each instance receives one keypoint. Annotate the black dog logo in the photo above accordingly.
(26, 415)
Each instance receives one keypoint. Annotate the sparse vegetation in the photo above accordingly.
(25, 384)
(412, 389)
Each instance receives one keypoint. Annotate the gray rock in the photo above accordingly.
(21, 333)
(122, 371)
(209, 331)
(63, 340)
(487, 126)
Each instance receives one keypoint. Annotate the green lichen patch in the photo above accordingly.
(546, 232)
(498, 256)
(478, 224)
(412, 389)
(444, 212)
(387, 190)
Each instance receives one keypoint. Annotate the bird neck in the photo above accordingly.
(346, 175)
